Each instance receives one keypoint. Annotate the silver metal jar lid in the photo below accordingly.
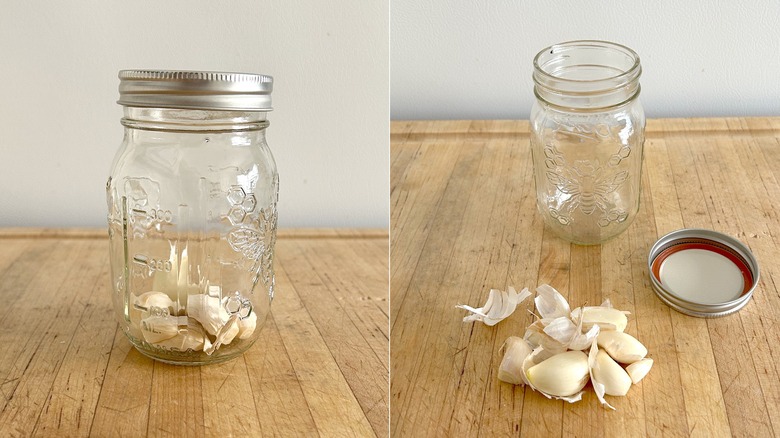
(702, 272)
(195, 90)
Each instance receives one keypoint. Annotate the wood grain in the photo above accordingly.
(464, 220)
(320, 366)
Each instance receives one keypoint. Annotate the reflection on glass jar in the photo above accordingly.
(192, 214)
(587, 133)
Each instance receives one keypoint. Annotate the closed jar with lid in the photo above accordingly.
(587, 135)
(192, 214)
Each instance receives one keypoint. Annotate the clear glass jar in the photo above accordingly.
(587, 134)
(192, 214)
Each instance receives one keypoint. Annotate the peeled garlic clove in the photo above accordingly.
(607, 318)
(608, 372)
(208, 311)
(498, 306)
(598, 387)
(159, 328)
(639, 369)
(562, 375)
(623, 347)
(550, 303)
(511, 368)
(247, 326)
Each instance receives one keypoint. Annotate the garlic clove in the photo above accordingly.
(607, 318)
(608, 372)
(148, 304)
(194, 338)
(550, 303)
(208, 311)
(159, 328)
(225, 335)
(598, 387)
(562, 375)
(247, 326)
(498, 306)
(623, 347)
(511, 368)
(639, 369)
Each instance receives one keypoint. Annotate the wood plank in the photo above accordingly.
(279, 400)
(334, 408)
(73, 397)
(334, 297)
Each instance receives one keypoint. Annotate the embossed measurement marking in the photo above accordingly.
(154, 215)
(151, 265)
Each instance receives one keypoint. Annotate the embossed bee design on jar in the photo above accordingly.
(192, 213)
(587, 135)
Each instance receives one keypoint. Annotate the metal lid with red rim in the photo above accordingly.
(702, 272)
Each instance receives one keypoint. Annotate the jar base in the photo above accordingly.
(190, 357)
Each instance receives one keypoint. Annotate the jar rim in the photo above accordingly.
(569, 45)
(586, 74)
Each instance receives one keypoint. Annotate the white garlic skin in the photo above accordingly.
(609, 373)
(562, 375)
(639, 369)
(193, 339)
(511, 368)
(623, 347)
(156, 329)
(247, 326)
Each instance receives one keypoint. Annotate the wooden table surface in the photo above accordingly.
(320, 366)
(464, 220)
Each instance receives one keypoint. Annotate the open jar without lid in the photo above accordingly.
(587, 135)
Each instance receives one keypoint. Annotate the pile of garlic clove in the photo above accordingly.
(204, 324)
(551, 358)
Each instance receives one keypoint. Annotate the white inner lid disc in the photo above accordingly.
(701, 276)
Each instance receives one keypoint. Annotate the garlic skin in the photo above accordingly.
(208, 311)
(156, 329)
(550, 303)
(607, 318)
(562, 375)
(511, 368)
(639, 369)
(498, 306)
(623, 347)
(609, 373)
(148, 304)
(193, 339)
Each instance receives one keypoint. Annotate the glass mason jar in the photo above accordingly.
(587, 134)
(192, 214)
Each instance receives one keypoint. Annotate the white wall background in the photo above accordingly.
(59, 123)
(472, 59)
